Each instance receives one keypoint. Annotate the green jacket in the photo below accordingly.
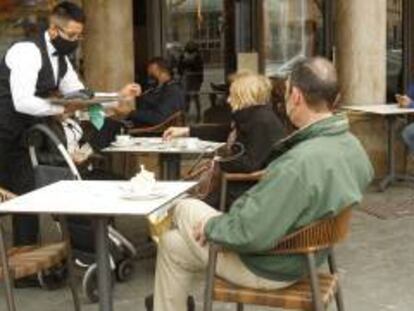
(316, 173)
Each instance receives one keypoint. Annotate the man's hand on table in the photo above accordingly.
(403, 101)
(174, 132)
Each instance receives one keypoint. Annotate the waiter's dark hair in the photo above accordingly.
(161, 63)
(318, 81)
(68, 11)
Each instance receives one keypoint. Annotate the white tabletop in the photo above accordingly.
(93, 198)
(175, 146)
(390, 109)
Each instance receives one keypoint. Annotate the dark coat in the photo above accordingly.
(158, 104)
(257, 129)
(191, 69)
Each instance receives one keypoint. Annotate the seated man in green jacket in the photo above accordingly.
(315, 173)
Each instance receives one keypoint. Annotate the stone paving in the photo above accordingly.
(376, 263)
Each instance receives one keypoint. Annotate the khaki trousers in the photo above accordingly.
(181, 259)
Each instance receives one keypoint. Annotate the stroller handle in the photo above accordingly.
(44, 129)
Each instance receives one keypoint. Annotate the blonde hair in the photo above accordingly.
(249, 89)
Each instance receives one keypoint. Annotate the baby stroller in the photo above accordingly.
(80, 228)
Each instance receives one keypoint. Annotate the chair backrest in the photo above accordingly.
(317, 236)
(243, 177)
(176, 119)
(6, 195)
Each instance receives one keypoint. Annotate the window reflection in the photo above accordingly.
(21, 19)
(293, 29)
(199, 24)
(394, 49)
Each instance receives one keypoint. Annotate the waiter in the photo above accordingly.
(31, 71)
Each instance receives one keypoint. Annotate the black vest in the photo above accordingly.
(13, 123)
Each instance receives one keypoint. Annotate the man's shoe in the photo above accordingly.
(149, 303)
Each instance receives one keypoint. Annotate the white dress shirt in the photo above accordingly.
(24, 60)
(73, 133)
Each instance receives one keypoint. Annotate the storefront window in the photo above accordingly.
(394, 49)
(196, 24)
(293, 29)
(21, 19)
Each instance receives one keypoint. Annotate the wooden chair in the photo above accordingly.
(227, 178)
(21, 262)
(177, 119)
(312, 293)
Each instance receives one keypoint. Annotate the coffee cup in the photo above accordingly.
(192, 143)
(123, 139)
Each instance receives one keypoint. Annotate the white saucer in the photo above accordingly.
(118, 144)
(129, 194)
(142, 197)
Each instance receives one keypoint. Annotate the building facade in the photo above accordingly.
(371, 41)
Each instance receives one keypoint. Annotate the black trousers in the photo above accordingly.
(16, 175)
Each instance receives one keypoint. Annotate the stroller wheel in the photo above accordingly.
(53, 278)
(90, 283)
(125, 270)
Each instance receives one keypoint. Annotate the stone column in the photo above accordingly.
(361, 50)
(361, 62)
(108, 55)
(108, 47)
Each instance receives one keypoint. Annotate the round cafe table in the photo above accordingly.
(170, 153)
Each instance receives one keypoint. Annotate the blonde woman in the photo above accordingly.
(254, 126)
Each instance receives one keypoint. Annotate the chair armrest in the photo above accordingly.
(144, 130)
(175, 120)
(240, 177)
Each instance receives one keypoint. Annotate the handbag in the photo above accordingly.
(208, 173)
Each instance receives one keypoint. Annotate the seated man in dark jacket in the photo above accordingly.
(158, 103)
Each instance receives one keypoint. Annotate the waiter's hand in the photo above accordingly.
(130, 91)
(74, 106)
(122, 110)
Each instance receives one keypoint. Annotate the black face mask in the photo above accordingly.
(152, 81)
(63, 46)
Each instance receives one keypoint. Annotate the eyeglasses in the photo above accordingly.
(68, 36)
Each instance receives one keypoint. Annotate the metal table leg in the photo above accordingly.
(71, 268)
(170, 166)
(104, 266)
(390, 178)
(11, 305)
(392, 175)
